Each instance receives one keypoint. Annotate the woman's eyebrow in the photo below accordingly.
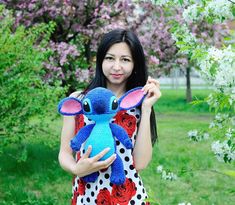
(110, 54)
(121, 55)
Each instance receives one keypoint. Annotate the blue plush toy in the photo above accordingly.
(100, 105)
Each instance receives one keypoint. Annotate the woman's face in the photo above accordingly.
(118, 64)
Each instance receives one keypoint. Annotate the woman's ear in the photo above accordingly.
(131, 99)
(70, 106)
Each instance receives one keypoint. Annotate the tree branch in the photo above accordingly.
(233, 2)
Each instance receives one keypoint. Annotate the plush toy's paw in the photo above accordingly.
(91, 177)
(74, 145)
(118, 180)
(128, 143)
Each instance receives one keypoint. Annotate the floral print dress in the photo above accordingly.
(102, 192)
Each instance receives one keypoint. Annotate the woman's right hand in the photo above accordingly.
(86, 165)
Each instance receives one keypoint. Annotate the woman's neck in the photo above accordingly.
(118, 90)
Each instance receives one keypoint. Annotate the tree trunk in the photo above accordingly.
(188, 86)
(88, 51)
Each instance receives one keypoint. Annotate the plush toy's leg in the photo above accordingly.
(91, 177)
(118, 175)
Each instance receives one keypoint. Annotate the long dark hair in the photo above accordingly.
(139, 74)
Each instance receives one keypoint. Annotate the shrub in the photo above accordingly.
(25, 100)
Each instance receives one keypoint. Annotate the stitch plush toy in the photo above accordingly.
(100, 105)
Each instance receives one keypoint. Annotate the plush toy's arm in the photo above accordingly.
(81, 137)
(121, 135)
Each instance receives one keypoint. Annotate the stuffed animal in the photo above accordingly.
(100, 105)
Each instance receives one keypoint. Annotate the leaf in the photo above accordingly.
(197, 102)
(181, 2)
(230, 173)
(233, 11)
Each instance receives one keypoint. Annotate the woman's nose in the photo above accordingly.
(117, 65)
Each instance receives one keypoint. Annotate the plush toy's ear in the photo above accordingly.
(131, 99)
(70, 106)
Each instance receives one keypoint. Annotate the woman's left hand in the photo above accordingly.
(152, 91)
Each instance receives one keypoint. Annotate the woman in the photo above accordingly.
(120, 66)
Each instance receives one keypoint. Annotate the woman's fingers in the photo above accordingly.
(152, 89)
(87, 153)
(148, 87)
(100, 155)
(106, 163)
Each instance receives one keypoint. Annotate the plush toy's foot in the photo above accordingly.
(91, 177)
(118, 180)
(118, 175)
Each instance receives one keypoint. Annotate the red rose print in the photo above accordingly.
(128, 122)
(103, 198)
(81, 187)
(79, 191)
(75, 196)
(79, 122)
(122, 194)
(74, 199)
(147, 203)
(78, 156)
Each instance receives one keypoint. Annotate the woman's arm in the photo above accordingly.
(142, 152)
(66, 158)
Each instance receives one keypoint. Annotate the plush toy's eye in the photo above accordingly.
(114, 104)
(86, 106)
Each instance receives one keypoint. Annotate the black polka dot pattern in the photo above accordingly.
(127, 159)
(103, 181)
(122, 150)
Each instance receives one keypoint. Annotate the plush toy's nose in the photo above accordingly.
(99, 108)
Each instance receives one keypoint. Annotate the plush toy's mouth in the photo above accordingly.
(101, 117)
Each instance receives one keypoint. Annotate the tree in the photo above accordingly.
(76, 25)
(217, 67)
(24, 97)
(81, 24)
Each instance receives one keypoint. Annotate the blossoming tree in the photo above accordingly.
(80, 25)
(216, 64)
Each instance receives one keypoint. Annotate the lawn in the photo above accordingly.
(200, 179)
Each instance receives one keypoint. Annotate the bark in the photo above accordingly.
(188, 86)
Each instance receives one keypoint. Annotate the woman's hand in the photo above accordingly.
(87, 165)
(152, 89)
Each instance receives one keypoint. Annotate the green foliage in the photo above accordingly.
(233, 10)
(24, 98)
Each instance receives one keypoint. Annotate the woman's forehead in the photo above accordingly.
(119, 49)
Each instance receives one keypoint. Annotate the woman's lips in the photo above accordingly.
(116, 76)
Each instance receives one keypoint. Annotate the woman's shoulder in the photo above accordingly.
(77, 94)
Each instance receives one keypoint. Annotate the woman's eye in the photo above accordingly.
(109, 58)
(126, 59)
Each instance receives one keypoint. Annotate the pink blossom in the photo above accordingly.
(153, 60)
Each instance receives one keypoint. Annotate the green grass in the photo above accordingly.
(175, 101)
(200, 180)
